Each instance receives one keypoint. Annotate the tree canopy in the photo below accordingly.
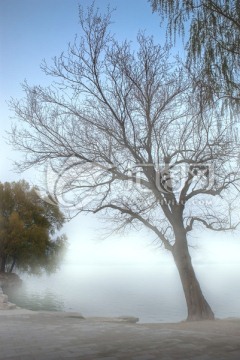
(126, 133)
(212, 30)
(27, 228)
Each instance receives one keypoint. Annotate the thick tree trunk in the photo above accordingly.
(198, 308)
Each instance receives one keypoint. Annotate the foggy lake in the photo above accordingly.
(152, 293)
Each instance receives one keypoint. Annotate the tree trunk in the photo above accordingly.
(12, 266)
(3, 260)
(198, 308)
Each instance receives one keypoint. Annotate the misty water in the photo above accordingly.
(152, 293)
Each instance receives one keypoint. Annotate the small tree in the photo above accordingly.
(27, 224)
(125, 134)
(212, 32)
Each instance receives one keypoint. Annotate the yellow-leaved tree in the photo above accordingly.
(28, 227)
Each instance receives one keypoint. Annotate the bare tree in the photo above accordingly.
(124, 135)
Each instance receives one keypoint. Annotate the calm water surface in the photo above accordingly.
(153, 294)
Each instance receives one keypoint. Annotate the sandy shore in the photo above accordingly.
(26, 334)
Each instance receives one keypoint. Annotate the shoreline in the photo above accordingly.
(132, 319)
(123, 319)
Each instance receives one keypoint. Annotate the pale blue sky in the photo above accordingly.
(31, 30)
